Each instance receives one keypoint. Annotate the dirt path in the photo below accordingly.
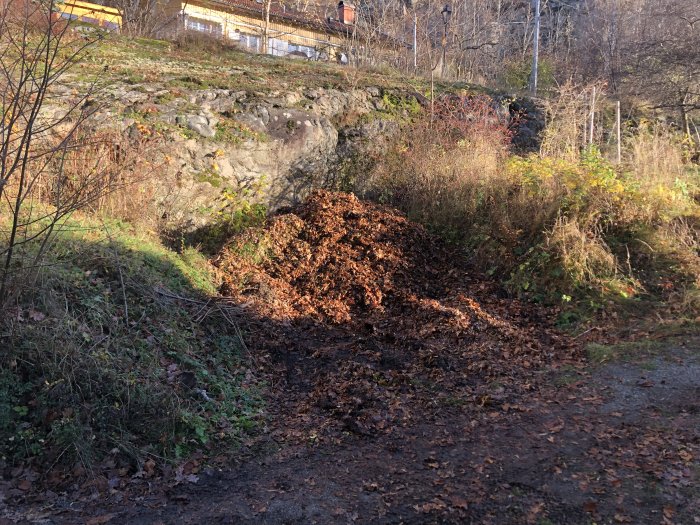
(618, 445)
(402, 388)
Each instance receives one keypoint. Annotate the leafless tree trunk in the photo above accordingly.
(265, 34)
(37, 138)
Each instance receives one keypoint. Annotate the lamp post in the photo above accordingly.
(535, 50)
(446, 13)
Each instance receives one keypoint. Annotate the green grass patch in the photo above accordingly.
(399, 104)
(102, 358)
(238, 215)
(209, 176)
(625, 351)
(230, 131)
(197, 68)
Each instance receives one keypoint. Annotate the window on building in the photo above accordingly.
(203, 26)
(277, 47)
(250, 41)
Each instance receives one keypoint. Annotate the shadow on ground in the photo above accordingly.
(403, 388)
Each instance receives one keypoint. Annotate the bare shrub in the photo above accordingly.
(566, 118)
(548, 224)
(445, 169)
(146, 18)
(557, 224)
(26, 14)
(126, 166)
(454, 173)
(196, 41)
(52, 161)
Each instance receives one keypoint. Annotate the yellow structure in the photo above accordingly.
(289, 33)
(88, 13)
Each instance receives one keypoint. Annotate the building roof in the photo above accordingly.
(281, 13)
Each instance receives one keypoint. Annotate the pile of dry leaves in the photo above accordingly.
(367, 312)
(331, 258)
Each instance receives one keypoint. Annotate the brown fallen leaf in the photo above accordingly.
(370, 486)
(622, 518)
(24, 485)
(590, 506)
(685, 455)
(534, 511)
(149, 467)
(555, 427)
(458, 502)
(37, 316)
(430, 506)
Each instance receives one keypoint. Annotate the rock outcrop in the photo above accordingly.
(274, 147)
(271, 147)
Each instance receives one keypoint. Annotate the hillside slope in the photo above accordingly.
(182, 355)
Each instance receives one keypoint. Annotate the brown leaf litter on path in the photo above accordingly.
(405, 388)
(372, 315)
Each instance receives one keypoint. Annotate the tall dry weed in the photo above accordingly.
(582, 252)
(553, 225)
(448, 167)
(655, 155)
(663, 184)
(115, 175)
(566, 120)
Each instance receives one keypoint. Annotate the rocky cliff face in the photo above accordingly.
(272, 147)
(230, 126)
(223, 145)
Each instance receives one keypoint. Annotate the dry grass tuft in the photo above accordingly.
(583, 253)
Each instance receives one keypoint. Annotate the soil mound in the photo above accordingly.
(368, 317)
